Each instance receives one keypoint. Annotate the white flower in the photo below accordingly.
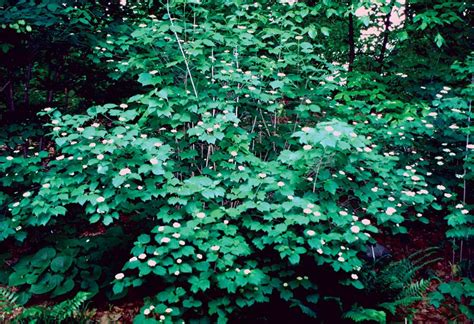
(146, 311)
(390, 211)
(100, 157)
(233, 153)
(16, 204)
(179, 261)
(162, 317)
(336, 133)
(374, 189)
(464, 211)
(158, 144)
(307, 211)
(247, 271)
(367, 149)
(241, 168)
(200, 215)
(154, 161)
(262, 175)
(123, 106)
(132, 259)
(343, 213)
(310, 232)
(59, 158)
(168, 310)
(440, 187)
(329, 128)
(365, 221)
(448, 195)
(26, 194)
(415, 178)
(176, 225)
(215, 248)
(46, 185)
(142, 256)
(125, 171)
(119, 276)
(9, 158)
(151, 263)
(354, 276)
(355, 229)
(280, 184)
(307, 147)
(340, 259)
(165, 240)
(281, 74)
(290, 197)
(199, 256)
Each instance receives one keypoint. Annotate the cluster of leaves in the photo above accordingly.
(390, 285)
(69, 310)
(252, 156)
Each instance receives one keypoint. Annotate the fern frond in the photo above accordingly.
(366, 314)
(417, 288)
(392, 306)
(70, 307)
(8, 300)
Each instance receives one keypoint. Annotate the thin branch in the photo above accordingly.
(181, 48)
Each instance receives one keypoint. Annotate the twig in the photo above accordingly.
(181, 48)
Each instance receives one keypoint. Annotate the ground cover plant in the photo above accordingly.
(234, 161)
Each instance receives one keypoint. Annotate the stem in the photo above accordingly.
(181, 49)
(351, 41)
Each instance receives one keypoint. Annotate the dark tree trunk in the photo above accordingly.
(26, 94)
(385, 38)
(10, 97)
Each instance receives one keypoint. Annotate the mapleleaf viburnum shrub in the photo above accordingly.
(249, 159)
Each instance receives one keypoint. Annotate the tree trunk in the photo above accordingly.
(26, 88)
(385, 38)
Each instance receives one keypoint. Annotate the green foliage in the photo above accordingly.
(229, 149)
(69, 310)
(392, 286)
(366, 314)
(462, 292)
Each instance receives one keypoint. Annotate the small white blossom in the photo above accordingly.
(119, 276)
(125, 171)
(355, 229)
(310, 232)
(390, 211)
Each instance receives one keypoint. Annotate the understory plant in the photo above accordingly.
(251, 157)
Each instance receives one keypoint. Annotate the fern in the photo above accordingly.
(62, 312)
(70, 307)
(366, 314)
(394, 285)
(8, 303)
